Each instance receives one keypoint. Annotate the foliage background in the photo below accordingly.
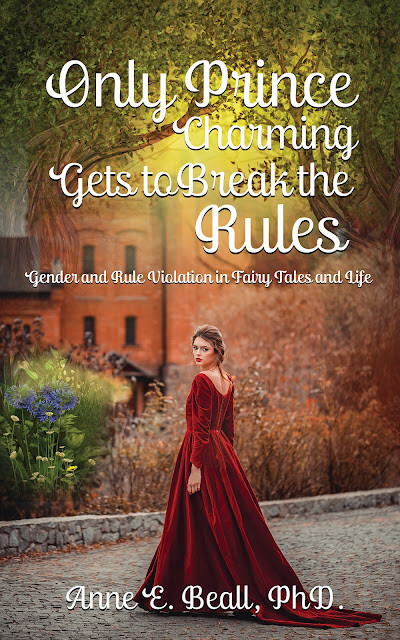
(327, 359)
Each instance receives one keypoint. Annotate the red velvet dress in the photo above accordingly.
(217, 538)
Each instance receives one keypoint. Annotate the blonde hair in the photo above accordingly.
(214, 336)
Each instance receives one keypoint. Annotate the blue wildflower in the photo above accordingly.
(22, 397)
(47, 405)
(45, 411)
(53, 401)
(61, 396)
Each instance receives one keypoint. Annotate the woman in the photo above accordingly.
(215, 537)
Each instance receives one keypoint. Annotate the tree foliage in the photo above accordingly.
(360, 37)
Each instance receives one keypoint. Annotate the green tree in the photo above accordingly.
(360, 37)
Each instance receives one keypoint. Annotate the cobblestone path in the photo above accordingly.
(355, 552)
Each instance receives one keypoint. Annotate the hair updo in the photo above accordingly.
(214, 336)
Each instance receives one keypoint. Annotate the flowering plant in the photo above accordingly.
(47, 448)
(47, 405)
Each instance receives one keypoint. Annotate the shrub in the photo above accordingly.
(45, 450)
(295, 451)
(143, 452)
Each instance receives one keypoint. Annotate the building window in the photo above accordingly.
(130, 330)
(130, 258)
(89, 336)
(88, 258)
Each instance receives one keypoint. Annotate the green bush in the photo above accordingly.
(45, 454)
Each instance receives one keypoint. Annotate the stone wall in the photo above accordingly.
(50, 534)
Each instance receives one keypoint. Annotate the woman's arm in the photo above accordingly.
(201, 417)
(228, 424)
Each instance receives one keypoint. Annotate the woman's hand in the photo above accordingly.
(194, 480)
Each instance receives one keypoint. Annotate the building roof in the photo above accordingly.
(17, 256)
(128, 367)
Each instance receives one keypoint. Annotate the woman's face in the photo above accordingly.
(204, 353)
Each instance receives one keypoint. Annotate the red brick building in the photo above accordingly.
(150, 323)
(18, 298)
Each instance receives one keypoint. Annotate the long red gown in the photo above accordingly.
(217, 538)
